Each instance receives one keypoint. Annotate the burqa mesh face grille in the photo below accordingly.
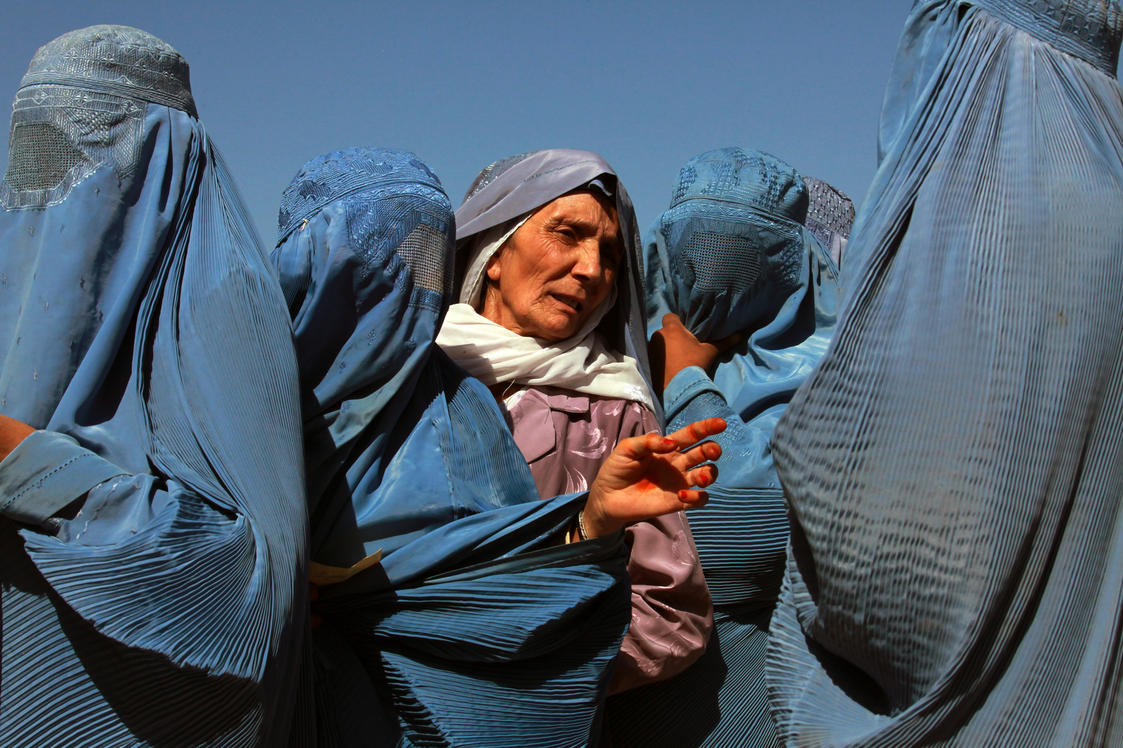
(41, 156)
(828, 207)
(720, 262)
(425, 250)
(60, 135)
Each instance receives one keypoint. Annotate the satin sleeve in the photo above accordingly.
(672, 614)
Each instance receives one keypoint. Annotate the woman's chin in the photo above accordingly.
(559, 329)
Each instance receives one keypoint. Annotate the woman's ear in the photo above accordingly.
(493, 267)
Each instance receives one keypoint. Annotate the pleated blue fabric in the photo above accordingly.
(476, 627)
(143, 333)
(731, 255)
(954, 466)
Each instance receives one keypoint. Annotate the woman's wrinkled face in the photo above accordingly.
(553, 272)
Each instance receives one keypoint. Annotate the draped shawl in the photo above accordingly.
(730, 255)
(473, 628)
(142, 331)
(954, 466)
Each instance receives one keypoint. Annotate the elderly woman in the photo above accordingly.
(551, 318)
(731, 258)
(954, 465)
(450, 613)
(152, 528)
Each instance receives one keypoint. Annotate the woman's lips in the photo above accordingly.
(573, 303)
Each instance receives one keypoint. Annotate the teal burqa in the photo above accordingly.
(731, 256)
(954, 466)
(477, 627)
(152, 532)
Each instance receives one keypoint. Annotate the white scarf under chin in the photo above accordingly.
(582, 363)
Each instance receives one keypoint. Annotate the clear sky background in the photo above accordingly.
(646, 84)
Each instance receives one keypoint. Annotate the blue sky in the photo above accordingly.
(646, 84)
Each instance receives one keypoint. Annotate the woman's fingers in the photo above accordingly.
(691, 498)
(696, 432)
(728, 342)
(702, 476)
(704, 452)
(670, 319)
(640, 447)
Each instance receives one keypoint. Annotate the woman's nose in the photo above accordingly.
(587, 263)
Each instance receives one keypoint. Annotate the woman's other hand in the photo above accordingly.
(646, 476)
(12, 432)
(674, 348)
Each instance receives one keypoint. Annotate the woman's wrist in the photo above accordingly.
(595, 524)
(576, 532)
(582, 532)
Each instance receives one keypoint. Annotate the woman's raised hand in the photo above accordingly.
(646, 476)
(673, 348)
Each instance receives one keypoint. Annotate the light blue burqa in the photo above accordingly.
(954, 466)
(152, 534)
(731, 255)
(476, 627)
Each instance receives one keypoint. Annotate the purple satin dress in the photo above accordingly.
(565, 436)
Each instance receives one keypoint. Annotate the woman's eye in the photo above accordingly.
(567, 232)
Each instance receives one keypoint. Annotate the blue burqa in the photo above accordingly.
(451, 613)
(731, 255)
(954, 466)
(152, 533)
